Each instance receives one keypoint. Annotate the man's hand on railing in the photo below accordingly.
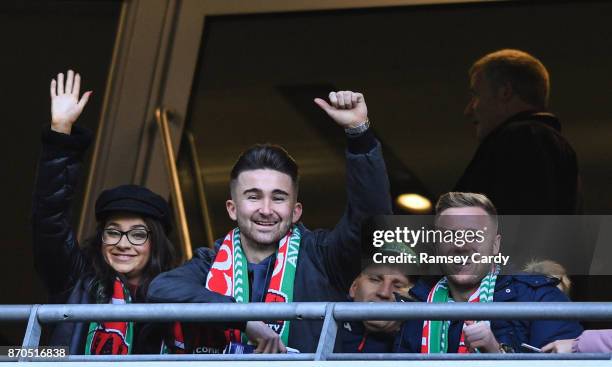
(478, 335)
(266, 339)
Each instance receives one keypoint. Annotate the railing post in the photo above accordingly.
(327, 339)
(33, 330)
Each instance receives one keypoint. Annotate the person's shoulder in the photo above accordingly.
(423, 286)
(534, 280)
(522, 130)
(307, 235)
(528, 138)
(533, 125)
(527, 287)
(204, 254)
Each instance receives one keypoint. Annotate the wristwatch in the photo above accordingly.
(505, 348)
(357, 130)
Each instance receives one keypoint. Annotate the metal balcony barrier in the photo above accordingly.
(331, 313)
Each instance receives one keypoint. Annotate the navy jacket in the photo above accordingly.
(328, 260)
(58, 259)
(508, 288)
(353, 338)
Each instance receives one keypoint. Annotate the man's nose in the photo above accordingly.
(464, 249)
(266, 207)
(385, 291)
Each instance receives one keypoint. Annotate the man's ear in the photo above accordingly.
(297, 212)
(353, 288)
(496, 244)
(231, 209)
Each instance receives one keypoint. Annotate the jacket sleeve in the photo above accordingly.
(543, 332)
(593, 341)
(187, 283)
(367, 195)
(57, 257)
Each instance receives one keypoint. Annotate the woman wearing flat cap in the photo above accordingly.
(116, 265)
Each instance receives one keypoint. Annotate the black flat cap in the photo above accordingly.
(134, 199)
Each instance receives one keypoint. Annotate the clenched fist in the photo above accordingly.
(347, 108)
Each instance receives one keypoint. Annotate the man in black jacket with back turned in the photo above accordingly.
(523, 164)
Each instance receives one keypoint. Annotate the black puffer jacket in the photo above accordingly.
(58, 259)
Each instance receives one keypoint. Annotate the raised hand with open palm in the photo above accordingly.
(66, 106)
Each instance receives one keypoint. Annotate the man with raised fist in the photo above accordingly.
(271, 256)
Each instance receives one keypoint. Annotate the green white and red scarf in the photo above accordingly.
(435, 332)
(112, 337)
(229, 276)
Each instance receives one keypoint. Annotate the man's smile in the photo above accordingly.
(265, 223)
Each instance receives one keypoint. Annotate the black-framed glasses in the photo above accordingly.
(136, 236)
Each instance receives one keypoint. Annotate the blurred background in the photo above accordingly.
(237, 73)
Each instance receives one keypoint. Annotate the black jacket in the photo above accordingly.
(328, 260)
(525, 166)
(58, 259)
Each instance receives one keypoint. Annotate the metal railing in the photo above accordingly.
(330, 313)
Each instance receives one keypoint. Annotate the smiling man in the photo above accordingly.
(480, 282)
(523, 163)
(271, 256)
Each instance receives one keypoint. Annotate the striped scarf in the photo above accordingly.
(113, 337)
(435, 332)
(229, 276)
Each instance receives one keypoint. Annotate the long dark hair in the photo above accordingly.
(162, 258)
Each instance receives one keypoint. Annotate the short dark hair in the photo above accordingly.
(527, 75)
(266, 156)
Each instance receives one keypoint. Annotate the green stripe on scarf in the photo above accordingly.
(436, 341)
(281, 282)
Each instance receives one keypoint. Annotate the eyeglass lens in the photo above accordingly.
(135, 236)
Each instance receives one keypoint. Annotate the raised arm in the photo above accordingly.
(57, 257)
(348, 109)
(367, 187)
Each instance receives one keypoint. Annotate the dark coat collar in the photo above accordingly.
(545, 118)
